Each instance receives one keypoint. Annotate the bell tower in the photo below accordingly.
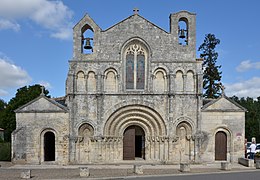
(85, 38)
(183, 28)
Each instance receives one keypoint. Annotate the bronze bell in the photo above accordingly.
(87, 44)
(182, 34)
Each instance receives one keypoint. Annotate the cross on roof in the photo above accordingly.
(222, 87)
(136, 10)
(42, 93)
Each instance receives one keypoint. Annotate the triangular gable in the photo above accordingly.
(87, 20)
(42, 104)
(223, 103)
(131, 18)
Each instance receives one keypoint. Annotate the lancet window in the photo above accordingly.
(135, 67)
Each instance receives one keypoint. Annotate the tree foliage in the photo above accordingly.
(2, 107)
(23, 96)
(252, 116)
(212, 75)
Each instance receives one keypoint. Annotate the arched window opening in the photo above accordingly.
(190, 84)
(91, 82)
(49, 146)
(179, 81)
(87, 40)
(183, 31)
(135, 67)
(159, 81)
(110, 81)
(81, 84)
(140, 71)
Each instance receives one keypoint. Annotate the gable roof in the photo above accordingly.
(223, 104)
(138, 16)
(87, 18)
(42, 104)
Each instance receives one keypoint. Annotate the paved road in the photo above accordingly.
(125, 171)
(253, 175)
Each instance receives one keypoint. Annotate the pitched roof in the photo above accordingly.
(223, 103)
(53, 106)
(135, 15)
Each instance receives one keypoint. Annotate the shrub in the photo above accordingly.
(257, 155)
(5, 151)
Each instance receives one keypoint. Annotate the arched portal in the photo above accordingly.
(221, 146)
(49, 146)
(146, 123)
(134, 143)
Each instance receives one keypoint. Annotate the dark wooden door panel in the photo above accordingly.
(129, 144)
(221, 146)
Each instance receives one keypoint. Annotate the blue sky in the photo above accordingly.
(36, 38)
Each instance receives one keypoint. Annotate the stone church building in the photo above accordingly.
(133, 93)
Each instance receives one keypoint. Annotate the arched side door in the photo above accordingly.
(221, 146)
(49, 146)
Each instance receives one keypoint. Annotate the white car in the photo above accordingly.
(248, 150)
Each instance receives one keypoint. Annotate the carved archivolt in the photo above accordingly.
(146, 118)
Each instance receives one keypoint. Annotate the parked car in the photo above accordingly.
(248, 150)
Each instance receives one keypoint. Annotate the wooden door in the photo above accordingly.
(221, 146)
(129, 143)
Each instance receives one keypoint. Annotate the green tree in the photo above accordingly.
(2, 108)
(252, 119)
(212, 75)
(23, 96)
(2, 105)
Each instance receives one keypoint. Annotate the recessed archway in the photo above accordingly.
(49, 146)
(148, 119)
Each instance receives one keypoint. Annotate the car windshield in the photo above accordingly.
(258, 146)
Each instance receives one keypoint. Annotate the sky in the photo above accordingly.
(36, 38)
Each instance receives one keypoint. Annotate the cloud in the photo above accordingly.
(247, 65)
(247, 88)
(51, 15)
(62, 34)
(7, 24)
(11, 76)
(3, 92)
(47, 85)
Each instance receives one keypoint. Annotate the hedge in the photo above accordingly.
(5, 151)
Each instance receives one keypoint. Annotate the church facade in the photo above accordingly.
(133, 92)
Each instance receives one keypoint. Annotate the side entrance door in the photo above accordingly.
(221, 146)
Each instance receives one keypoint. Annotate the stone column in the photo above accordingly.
(184, 83)
(72, 146)
(171, 82)
(100, 100)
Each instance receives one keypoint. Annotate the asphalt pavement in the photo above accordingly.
(9, 171)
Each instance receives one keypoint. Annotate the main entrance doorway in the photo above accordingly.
(49, 146)
(221, 146)
(134, 143)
